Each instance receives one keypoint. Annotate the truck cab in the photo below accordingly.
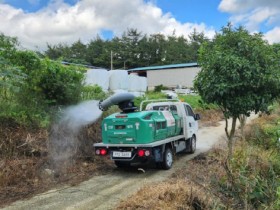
(181, 109)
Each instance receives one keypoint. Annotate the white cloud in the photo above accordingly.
(63, 23)
(254, 14)
(232, 6)
(240, 6)
(273, 36)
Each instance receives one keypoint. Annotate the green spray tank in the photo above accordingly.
(137, 127)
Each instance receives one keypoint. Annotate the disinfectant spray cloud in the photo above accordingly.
(64, 142)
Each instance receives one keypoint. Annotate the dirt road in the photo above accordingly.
(104, 192)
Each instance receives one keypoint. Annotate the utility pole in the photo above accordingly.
(111, 60)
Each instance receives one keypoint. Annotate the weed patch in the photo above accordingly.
(175, 194)
(252, 176)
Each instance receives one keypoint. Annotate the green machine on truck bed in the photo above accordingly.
(163, 129)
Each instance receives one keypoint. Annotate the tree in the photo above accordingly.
(176, 50)
(144, 51)
(132, 49)
(126, 50)
(196, 40)
(240, 73)
(157, 46)
(78, 53)
(57, 51)
(95, 50)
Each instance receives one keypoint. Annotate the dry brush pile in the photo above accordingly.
(26, 167)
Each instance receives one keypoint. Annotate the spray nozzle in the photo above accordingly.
(101, 107)
(124, 100)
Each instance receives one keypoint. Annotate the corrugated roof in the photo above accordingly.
(171, 66)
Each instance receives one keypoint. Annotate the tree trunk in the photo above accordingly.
(242, 119)
(230, 135)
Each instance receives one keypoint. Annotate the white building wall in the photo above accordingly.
(172, 77)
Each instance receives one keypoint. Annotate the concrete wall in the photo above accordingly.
(172, 77)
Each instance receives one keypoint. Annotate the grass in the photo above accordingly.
(194, 100)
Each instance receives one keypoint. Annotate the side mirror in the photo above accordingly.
(197, 117)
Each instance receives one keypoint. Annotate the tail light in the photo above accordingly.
(121, 116)
(147, 153)
(101, 151)
(142, 153)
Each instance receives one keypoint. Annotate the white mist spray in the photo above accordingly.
(64, 142)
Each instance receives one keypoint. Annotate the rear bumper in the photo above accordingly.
(134, 153)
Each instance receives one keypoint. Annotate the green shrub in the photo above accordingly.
(159, 88)
(60, 85)
(253, 172)
(253, 175)
(94, 92)
(277, 202)
(150, 95)
(11, 80)
(266, 135)
(196, 102)
(31, 87)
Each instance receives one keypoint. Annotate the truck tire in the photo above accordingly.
(122, 164)
(192, 144)
(167, 159)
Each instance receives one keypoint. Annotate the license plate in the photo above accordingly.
(121, 154)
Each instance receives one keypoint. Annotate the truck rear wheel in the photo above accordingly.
(122, 164)
(167, 159)
(192, 144)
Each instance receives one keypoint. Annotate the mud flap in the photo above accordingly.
(158, 153)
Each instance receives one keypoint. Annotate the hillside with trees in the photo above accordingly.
(132, 49)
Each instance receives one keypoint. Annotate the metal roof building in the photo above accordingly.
(168, 75)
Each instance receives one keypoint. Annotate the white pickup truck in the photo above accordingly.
(164, 128)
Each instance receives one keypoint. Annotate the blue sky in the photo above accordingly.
(195, 11)
(32, 5)
(38, 22)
